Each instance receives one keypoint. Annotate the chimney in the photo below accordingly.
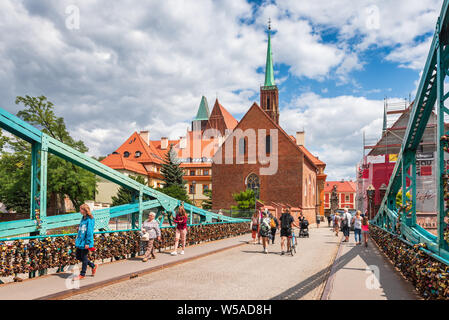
(145, 136)
(182, 142)
(164, 143)
(300, 138)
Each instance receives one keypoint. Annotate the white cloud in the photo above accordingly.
(334, 128)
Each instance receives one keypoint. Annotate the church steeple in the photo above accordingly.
(269, 95)
(269, 73)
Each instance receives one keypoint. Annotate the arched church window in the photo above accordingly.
(253, 183)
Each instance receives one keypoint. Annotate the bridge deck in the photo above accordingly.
(322, 268)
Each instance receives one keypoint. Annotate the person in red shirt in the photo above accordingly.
(181, 228)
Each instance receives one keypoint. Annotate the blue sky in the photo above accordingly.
(115, 68)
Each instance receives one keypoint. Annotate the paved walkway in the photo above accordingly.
(244, 272)
(361, 273)
(323, 268)
(50, 286)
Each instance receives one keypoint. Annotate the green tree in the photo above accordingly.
(171, 170)
(245, 200)
(173, 177)
(124, 195)
(64, 178)
(207, 204)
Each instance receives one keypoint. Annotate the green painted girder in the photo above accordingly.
(42, 144)
(430, 91)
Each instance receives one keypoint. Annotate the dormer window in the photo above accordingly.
(126, 154)
(138, 154)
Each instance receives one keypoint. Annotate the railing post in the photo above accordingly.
(441, 169)
(43, 185)
(140, 207)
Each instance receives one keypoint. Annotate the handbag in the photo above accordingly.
(255, 227)
(145, 236)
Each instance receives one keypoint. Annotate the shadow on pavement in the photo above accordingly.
(370, 256)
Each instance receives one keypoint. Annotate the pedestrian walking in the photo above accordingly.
(318, 220)
(336, 224)
(274, 225)
(265, 231)
(365, 230)
(151, 226)
(85, 241)
(255, 226)
(357, 222)
(181, 229)
(346, 224)
(329, 220)
(287, 223)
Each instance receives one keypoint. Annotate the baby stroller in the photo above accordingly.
(304, 229)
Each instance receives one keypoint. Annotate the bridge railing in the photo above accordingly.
(402, 220)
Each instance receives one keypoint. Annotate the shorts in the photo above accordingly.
(264, 232)
(365, 231)
(286, 232)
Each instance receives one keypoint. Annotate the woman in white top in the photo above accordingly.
(357, 222)
(265, 231)
(151, 226)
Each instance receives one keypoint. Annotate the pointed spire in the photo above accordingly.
(384, 127)
(269, 73)
(203, 110)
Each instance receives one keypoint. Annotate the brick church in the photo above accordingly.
(260, 155)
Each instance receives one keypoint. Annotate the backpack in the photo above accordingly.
(344, 222)
(285, 221)
(272, 223)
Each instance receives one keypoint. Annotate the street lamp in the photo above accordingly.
(370, 193)
(193, 184)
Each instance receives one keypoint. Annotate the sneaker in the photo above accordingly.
(174, 253)
(266, 250)
(94, 270)
(144, 260)
(182, 252)
(80, 277)
(282, 253)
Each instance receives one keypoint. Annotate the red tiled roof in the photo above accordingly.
(136, 143)
(342, 186)
(230, 121)
(118, 162)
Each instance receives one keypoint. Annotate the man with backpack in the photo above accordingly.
(287, 223)
(274, 225)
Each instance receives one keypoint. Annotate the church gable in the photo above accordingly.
(221, 119)
(254, 120)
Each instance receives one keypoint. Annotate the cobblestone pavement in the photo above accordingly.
(242, 273)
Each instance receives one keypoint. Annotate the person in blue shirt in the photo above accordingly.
(85, 240)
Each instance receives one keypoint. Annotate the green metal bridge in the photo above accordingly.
(401, 221)
(39, 223)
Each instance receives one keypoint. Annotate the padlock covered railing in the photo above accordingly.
(401, 219)
(24, 257)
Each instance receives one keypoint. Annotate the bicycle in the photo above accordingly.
(293, 243)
